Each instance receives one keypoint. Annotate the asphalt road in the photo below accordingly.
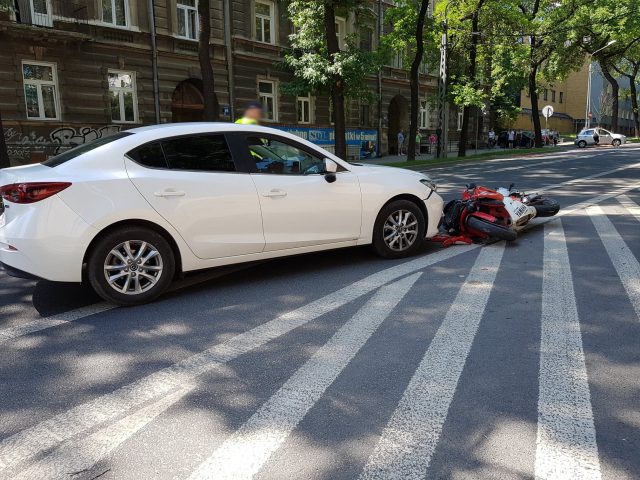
(499, 362)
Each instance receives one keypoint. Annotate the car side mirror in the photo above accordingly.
(330, 166)
(330, 169)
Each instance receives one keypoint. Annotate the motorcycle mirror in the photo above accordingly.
(511, 186)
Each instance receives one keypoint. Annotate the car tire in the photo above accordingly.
(131, 266)
(616, 142)
(582, 144)
(399, 230)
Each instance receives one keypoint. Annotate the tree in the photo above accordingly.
(320, 64)
(549, 34)
(211, 109)
(610, 28)
(629, 67)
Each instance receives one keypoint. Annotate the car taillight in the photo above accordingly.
(31, 192)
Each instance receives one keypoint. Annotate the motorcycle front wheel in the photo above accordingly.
(545, 207)
(491, 229)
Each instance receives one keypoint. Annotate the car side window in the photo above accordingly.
(208, 153)
(278, 157)
(149, 155)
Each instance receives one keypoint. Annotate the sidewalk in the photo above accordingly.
(451, 155)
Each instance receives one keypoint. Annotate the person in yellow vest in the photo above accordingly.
(252, 114)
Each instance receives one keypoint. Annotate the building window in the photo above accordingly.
(267, 93)
(305, 109)
(366, 39)
(341, 32)
(424, 114)
(553, 95)
(546, 94)
(188, 19)
(460, 118)
(561, 97)
(115, 12)
(41, 90)
(397, 60)
(365, 117)
(122, 95)
(265, 21)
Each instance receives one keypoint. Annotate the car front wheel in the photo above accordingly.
(399, 230)
(582, 144)
(131, 266)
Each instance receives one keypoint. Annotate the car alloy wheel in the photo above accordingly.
(400, 230)
(616, 143)
(133, 267)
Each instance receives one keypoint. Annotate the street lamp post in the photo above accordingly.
(443, 105)
(587, 114)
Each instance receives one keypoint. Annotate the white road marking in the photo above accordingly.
(53, 321)
(409, 440)
(50, 433)
(566, 443)
(589, 177)
(246, 451)
(623, 259)
(83, 454)
(632, 207)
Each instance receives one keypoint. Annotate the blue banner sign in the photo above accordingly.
(365, 139)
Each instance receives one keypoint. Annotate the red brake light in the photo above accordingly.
(31, 192)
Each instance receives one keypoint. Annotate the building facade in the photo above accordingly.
(568, 99)
(602, 103)
(75, 70)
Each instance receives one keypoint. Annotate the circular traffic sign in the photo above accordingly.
(547, 111)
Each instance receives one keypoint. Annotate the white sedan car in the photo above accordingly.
(599, 136)
(132, 211)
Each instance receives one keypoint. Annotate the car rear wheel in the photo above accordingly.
(399, 230)
(582, 144)
(616, 142)
(131, 266)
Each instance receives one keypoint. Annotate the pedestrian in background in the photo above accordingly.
(418, 140)
(400, 142)
(492, 138)
(511, 138)
(252, 114)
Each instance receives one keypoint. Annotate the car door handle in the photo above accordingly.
(170, 193)
(275, 193)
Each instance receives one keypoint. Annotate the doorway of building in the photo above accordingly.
(187, 101)
(398, 120)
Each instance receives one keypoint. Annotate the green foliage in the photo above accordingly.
(309, 59)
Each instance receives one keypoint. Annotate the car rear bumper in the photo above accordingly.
(44, 240)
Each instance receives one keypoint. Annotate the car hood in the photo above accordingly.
(362, 168)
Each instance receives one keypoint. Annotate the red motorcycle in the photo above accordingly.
(481, 215)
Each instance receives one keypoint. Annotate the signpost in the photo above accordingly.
(547, 111)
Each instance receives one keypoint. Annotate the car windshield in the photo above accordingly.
(82, 149)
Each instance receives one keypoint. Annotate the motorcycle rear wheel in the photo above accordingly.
(491, 229)
(545, 207)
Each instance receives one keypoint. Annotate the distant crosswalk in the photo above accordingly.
(412, 432)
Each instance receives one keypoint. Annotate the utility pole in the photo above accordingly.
(443, 105)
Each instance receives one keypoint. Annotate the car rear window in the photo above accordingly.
(82, 149)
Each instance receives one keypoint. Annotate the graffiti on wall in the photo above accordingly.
(36, 145)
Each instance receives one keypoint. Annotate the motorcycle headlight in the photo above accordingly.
(427, 182)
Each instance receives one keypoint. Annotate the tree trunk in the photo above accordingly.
(633, 90)
(473, 55)
(337, 84)
(535, 110)
(415, 81)
(615, 93)
(4, 154)
(210, 113)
